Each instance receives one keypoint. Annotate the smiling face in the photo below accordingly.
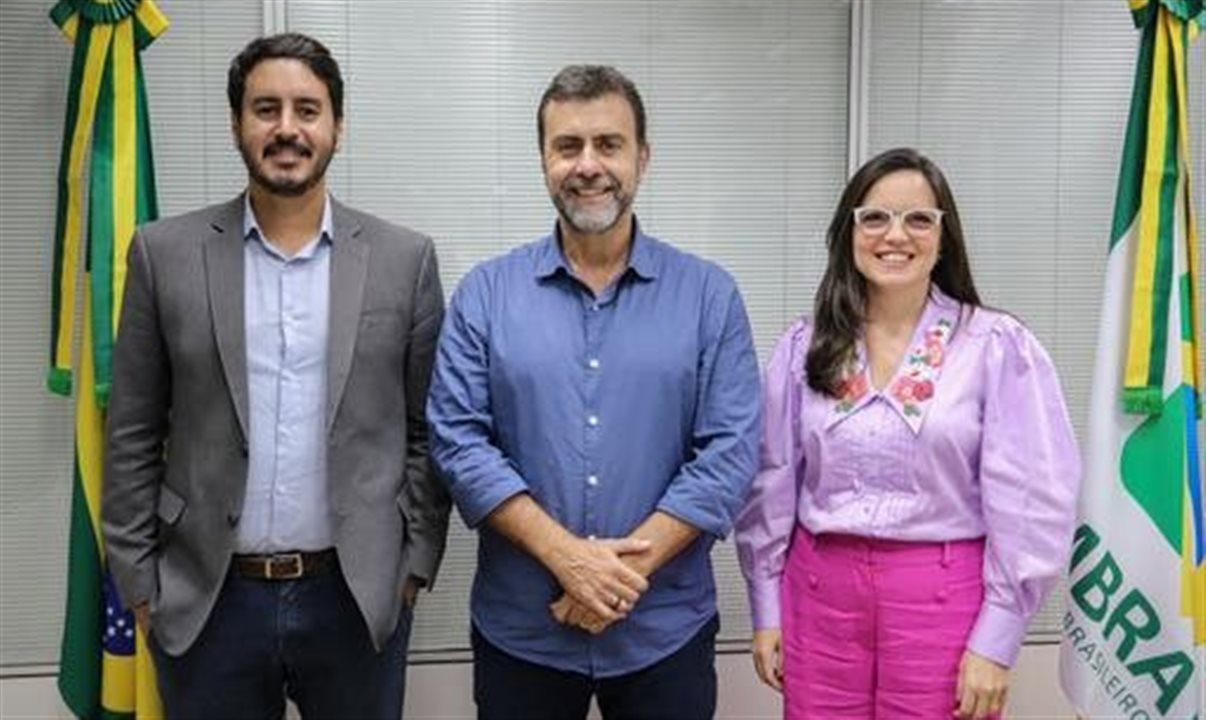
(286, 129)
(900, 258)
(592, 161)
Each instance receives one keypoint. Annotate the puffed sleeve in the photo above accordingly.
(764, 527)
(1029, 478)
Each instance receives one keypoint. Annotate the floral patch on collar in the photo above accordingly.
(854, 386)
(913, 387)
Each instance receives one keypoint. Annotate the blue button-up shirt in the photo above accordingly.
(285, 305)
(605, 409)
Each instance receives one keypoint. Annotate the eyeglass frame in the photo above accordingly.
(896, 216)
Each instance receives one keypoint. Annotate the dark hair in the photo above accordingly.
(840, 308)
(292, 46)
(588, 82)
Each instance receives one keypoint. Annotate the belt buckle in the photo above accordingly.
(291, 561)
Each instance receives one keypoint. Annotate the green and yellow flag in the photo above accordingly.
(104, 668)
(1134, 634)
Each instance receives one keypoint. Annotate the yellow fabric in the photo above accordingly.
(72, 242)
(1138, 359)
(125, 157)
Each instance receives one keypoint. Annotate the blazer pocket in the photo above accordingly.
(171, 505)
(169, 509)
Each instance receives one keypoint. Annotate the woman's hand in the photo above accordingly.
(982, 687)
(767, 649)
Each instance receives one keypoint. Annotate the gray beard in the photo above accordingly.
(592, 222)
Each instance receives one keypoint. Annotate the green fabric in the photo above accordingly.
(1130, 179)
(1166, 238)
(1153, 466)
(100, 234)
(80, 654)
(59, 378)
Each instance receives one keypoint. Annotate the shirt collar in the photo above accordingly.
(643, 258)
(251, 225)
(911, 390)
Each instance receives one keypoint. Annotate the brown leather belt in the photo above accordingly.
(286, 565)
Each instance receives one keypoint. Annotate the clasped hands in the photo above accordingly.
(602, 580)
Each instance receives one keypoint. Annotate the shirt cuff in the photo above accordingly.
(477, 506)
(693, 517)
(764, 604)
(998, 634)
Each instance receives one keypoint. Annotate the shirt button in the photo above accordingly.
(593, 420)
(594, 363)
(592, 480)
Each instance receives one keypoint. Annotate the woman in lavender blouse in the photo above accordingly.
(918, 480)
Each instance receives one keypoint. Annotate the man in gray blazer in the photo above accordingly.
(269, 510)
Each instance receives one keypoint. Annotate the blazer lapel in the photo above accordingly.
(224, 276)
(349, 270)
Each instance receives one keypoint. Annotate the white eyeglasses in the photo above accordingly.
(918, 222)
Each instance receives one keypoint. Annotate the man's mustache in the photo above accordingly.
(280, 145)
(603, 183)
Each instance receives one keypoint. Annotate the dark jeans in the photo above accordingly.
(266, 639)
(681, 685)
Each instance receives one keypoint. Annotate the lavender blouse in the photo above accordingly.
(969, 439)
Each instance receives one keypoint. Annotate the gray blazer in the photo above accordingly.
(176, 464)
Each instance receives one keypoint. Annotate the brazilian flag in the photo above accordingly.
(1139, 557)
(104, 668)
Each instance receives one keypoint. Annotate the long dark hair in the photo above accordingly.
(841, 302)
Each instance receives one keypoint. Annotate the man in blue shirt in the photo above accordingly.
(594, 412)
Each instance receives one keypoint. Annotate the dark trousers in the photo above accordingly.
(682, 685)
(266, 639)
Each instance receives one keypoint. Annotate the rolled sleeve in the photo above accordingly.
(478, 474)
(709, 489)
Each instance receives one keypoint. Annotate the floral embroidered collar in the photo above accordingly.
(911, 389)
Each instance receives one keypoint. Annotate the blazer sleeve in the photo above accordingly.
(136, 429)
(426, 502)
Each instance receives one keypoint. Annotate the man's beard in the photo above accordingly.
(592, 221)
(286, 187)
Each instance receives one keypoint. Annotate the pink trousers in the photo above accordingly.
(876, 628)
